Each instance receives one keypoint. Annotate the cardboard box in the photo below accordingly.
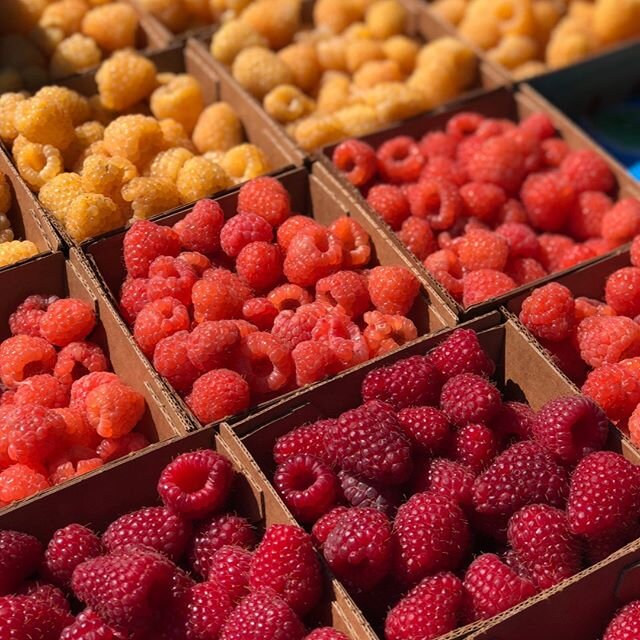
(313, 193)
(498, 103)
(96, 500)
(516, 356)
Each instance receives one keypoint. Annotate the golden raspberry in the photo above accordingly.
(357, 31)
(12, 252)
(332, 54)
(358, 120)
(458, 55)
(245, 162)
(483, 30)
(569, 43)
(64, 14)
(38, 163)
(231, 38)
(334, 92)
(287, 103)
(58, 194)
(150, 196)
(113, 26)
(76, 105)
(75, 54)
(44, 121)
(167, 164)
(199, 178)
(20, 16)
(318, 131)
(529, 69)
(403, 51)
(99, 112)
(215, 156)
(234, 7)
(336, 15)
(450, 10)
(6, 232)
(136, 138)
(124, 79)
(436, 83)
(91, 214)
(359, 52)
(174, 135)
(19, 52)
(10, 81)
(85, 135)
(46, 38)
(275, 20)
(94, 149)
(5, 194)
(516, 17)
(302, 59)
(108, 176)
(513, 51)
(259, 70)
(8, 105)
(218, 129)
(170, 12)
(616, 20)
(199, 9)
(547, 14)
(395, 101)
(376, 71)
(386, 18)
(180, 99)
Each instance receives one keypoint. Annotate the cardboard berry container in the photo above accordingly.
(314, 193)
(523, 373)
(97, 499)
(497, 103)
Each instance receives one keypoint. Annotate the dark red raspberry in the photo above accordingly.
(452, 480)
(621, 291)
(399, 160)
(357, 160)
(20, 556)
(523, 474)
(265, 197)
(159, 319)
(78, 359)
(312, 254)
(359, 549)
(229, 567)
(587, 171)
(468, 398)
(260, 312)
(545, 547)
(144, 242)
(475, 446)
(432, 534)
(69, 547)
(500, 161)
(25, 618)
(549, 312)
(602, 546)
(461, 352)
(390, 203)
(514, 419)
(625, 624)
(308, 439)
(242, 229)
(428, 428)
(359, 492)
(369, 442)
(44, 390)
(437, 200)
(493, 587)
(171, 360)
(48, 594)
(26, 318)
(200, 229)
(133, 298)
(307, 485)
(218, 394)
(326, 633)
(209, 607)
(259, 264)
(549, 199)
(482, 200)
(326, 524)
(286, 563)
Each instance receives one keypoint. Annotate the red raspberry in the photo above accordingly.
(200, 229)
(211, 344)
(48, 594)
(587, 171)
(264, 362)
(359, 492)
(615, 387)
(446, 169)
(260, 312)
(196, 484)
(544, 545)
(359, 550)
(67, 320)
(468, 398)
(357, 160)
(209, 607)
(427, 427)
(549, 312)
(265, 197)
(399, 160)
(292, 226)
(312, 255)
(217, 394)
(20, 557)
(485, 284)
(600, 547)
(482, 200)
(219, 531)
(217, 299)
(26, 318)
(585, 219)
(500, 161)
(307, 485)
(159, 319)
(452, 480)
(475, 446)
(289, 297)
(493, 127)
(392, 289)
(635, 252)
(69, 470)
(549, 199)
(286, 563)
(553, 248)
(326, 633)
(262, 615)
(19, 481)
(416, 234)
(240, 230)
(82, 387)
(436, 199)
(326, 524)
(78, 359)
(259, 264)
(539, 124)
(293, 327)
(171, 277)
(464, 124)
(525, 270)
(198, 262)
(171, 360)
(576, 255)
(307, 439)
(356, 244)
(523, 474)
(429, 610)
(70, 546)
(622, 222)
(26, 617)
(229, 567)
(625, 624)
(369, 442)
(44, 390)
(622, 291)
(23, 356)
(144, 242)
(480, 249)
(460, 353)
(554, 151)
(438, 143)
(432, 535)
(522, 240)
(346, 290)
(133, 298)
(114, 409)
(606, 340)
(384, 333)
(514, 419)
(344, 339)
(529, 146)
(604, 495)
(493, 587)
(390, 203)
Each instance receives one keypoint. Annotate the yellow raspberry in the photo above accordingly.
(358, 120)
(436, 83)
(85, 135)
(10, 81)
(174, 135)
(394, 101)
(336, 15)
(180, 99)
(99, 112)
(108, 176)
(58, 194)
(113, 26)
(569, 43)
(19, 52)
(64, 14)
(76, 105)
(6, 232)
(452, 54)
(167, 164)
(515, 16)
(582, 12)
(513, 51)
(233, 7)
(317, 131)
(450, 10)
(334, 92)
(245, 162)
(199, 9)
(616, 20)
(5, 194)
(547, 14)
(302, 60)
(259, 70)
(483, 30)
(359, 52)
(275, 20)
(199, 178)
(171, 13)
(376, 71)
(403, 51)
(218, 128)
(231, 38)
(137, 138)
(90, 215)
(12, 252)
(8, 105)
(38, 163)
(125, 79)
(332, 54)
(529, 69)
(287, 103)
(357, 31)
(20, 16)
(75, 54)
(46, 38)
(150, 196)
(44, 121)
(386, 18)
(94, 149)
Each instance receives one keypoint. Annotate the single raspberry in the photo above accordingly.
(399, 160)
(218, 394)
(481, 249)
(259, 264)
(326, 633)
(260, 312)
(172, 277)
(20, 481)
(82, 387)
(602, 546)
(529, 146)
(587, 171)
(307, 439)
(549, 199)
(211, 344)
(604, 494)
(292, 226)
(431, 609)
(133, 298)
(549, 312)
(540, 536)
(42, 389)
(468, 398)
(171, 360)
(26, 617)
(78, 359)
(20, 557)
(209, 606)
(384, 332)
(554, 151)
(48, 594)
(22, 356)
(475, 446)
(499, 161)
(144, 242)
(346, 290)
(78, 431)
(539, 124)
(312, 254)
(438, 143)
(589, 307)
(307, 485)
(26, 318)
(445, 169)
(427, 427)
(525, 270)
(625, 624)
(432, 535)
(415, 233)
(359, 550)
(553, 248)
(218, 296)
(485, 284)
(622, 291)
(482, 200)
(522, 240)
(463, 124)
(392, 289)
(451, 480)
(286, 563)
(265, 197)
(360, 492)
(356, 244)
(576, 255)
(292, 327)
(343, 338)
(437, 200)
(262, 615)
(69, 547)
(289, 297)
(585, 219)
(390, 203)
(159, 319)
(615, 387)
(493, 587)
(240, 230)
(369, 442)
(114, 409)
(522, 474)
(112, 448)
(461, 352)
(493, 127)
(514, 419)
(357, 160)
(326, 524)
(606, 340)
(200, 229)
(229, 567)
(264, 362)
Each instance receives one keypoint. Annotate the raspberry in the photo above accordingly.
(69, 547)
(267, 198)
(20, 557)
(498, 161)
(346, 290)
(262, 615)
(468, 398)
(217, 394)
(22, 356)
(44, 122)
(604, 494)
(209, 606)
(438, 143)
(514, 419)
(230, 569)
(415, 233)
(525, 270)
(67, 320)
(446, 170)
(170, 277)
(588, 307)
(359, 492)
(521, 475)
(111, 449)
(112, 26)
(553, 248)
(312, 255)
(326, 633)
(78, 359)
(264, 362)
(171, 360)
(475, 446)
(26, 318)
(621, 290)
(200, 229)
(480, 249)
(549, 312)
(385, 333)
(429, 610)
(435, 199)
(392, 289)
(615, 387)
(157, 320)
(357, 160)
(19, 481)
(635, 252)
(576, 255)
(292, 226)
(286, 563)
(390, 203)
(242, 229)
(307, 439)
(259, 264)
(541, 539)
(548, 199)
(482, 200)
(427, 427)
(399, 160)
(522, 241)
(464, 124)
(313, 361)
(218, 296)
(212, 534)
(144, 242)
(343, 337)
(493, 587)
(133, 298)
(26, 617)
(81, 388)
(114, 409)
(585, 219)
(124, 79)
(451, 480)
(356, 244)
(485, 284)
(539, 124)
(48, 594)
(369, 442)
(606, 340)
(293, 327)
(326, 524)
(199, 178)
(621, 223)
(44, 390)
(625, 624)
(587, 171)
(460, 353)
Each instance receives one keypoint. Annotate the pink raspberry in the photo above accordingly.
(393, 289)
(443, 168)
(172, 277)
(525, 270)
(415, 233)
(77, 359)
(481, 249)
(606, 340)
(230, 569)
(475, 446)
(171, 360)
(438, 143)
(346, 290)
(217, 394)
(313, 361)
(482, 200)
(621, 223)
(390, 203)
(549, 312)
(144, 242)
(622, 291)
(312, 255)
(576, 255)
(133, 298)
(427, 427)
(211, 344)
(26, 318)
(265, 197)
(242, 229)
(399, 160)
(259, 264)
(159, 319)
(500, 161)
(292, 327)
(357, 160)
(461, 352)
(200, 229)
(67, 320)
(20, 557)
(585, 219)
(485, 284)
(437, 200)
(44, 390)
(468, 398)
(548, 198)
(587, 171)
